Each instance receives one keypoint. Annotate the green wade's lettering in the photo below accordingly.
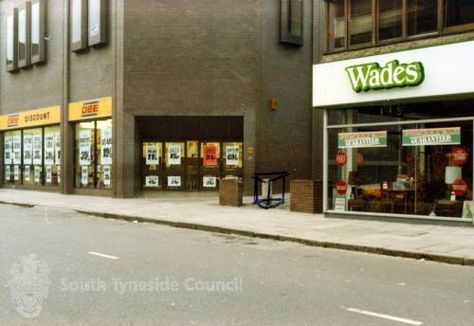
(371, 76)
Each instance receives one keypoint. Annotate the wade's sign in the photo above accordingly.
(371, 76)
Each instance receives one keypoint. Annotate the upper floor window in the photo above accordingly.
(354, 24)
(88, 23)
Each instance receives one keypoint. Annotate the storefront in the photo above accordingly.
(32, 149)
(189, 153)
(398, 133)
(92, 123)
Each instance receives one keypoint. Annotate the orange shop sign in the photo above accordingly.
(33, 118)
(97, 108)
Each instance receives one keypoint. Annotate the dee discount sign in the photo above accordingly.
(98, 108)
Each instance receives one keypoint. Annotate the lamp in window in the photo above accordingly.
(452, 173)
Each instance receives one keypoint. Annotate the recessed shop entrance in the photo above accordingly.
(189, 153)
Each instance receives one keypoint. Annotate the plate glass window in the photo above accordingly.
(360, 22)
(422, 16)
(38, 29)
(389, 20)
(459, 13)
(12, 41)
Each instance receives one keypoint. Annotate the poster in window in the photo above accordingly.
(174, 154)
(48, 149)
(37, 174)
(209, 155)
(16, 144)
(37, 149)
(7, 173)
(84, 175)
(84, 147)
(49, 174)
(174, 181)
(27, 149)
(8, 150)
(16, 173)
(152, 181)
(57, 148)
(106, 146)
(209, 182)
(232, 155)
(58, 168)
(152, 154)
(26, 174)
(107, 176)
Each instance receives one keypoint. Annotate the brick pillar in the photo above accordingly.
(305, 196)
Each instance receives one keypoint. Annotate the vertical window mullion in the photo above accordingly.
(440, 16)
(347, 9)
(404, 19)
(374, 22)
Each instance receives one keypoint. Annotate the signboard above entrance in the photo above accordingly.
(98, 108)
(371, 76)
(333, 87)
(40, 117)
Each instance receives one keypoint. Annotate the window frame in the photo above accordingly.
(286, 18)
(13, 66)
(41, 56)
(101, 38)
(440, 23)
(82, 44)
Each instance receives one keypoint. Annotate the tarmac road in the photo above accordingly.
(109, 272)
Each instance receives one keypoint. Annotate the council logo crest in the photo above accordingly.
(29, 285)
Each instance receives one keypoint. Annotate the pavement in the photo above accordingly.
(452, 244)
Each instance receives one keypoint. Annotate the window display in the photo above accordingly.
(405, 168)
(94, 154)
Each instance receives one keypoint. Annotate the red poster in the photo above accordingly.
(459, 156)
(341, 158)
(209, 155)
(459, 187)
(341, 187)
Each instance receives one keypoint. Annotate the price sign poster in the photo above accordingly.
(16, 143)
(48, 149)
(174, 154)
(85, 147)
(107, 175)
(57, 148)
(209, 155)
(27, 149)
(174, 181)
(209, 182)
(152, 181)
(232, 155)
(84, 175)
(8, 158)
(152, 154)
(37, 149)
(106, 147)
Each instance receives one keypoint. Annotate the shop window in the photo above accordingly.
(389, 20)
(422, 169)
(360, 22)
(459, 15)
(93, 161)
(79, 25)
(52, 156)
(336, 34)
(104, 150)
(12, 41)
(38, 31)
(422, 16)
(291, 22)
